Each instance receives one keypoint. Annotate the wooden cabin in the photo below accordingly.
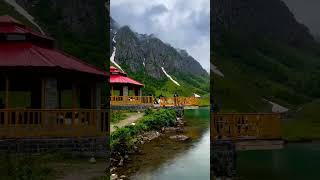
(45, 92)
(122, 85)
(125, 90)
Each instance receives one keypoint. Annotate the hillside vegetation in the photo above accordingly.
(258, 68)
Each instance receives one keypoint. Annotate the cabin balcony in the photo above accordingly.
(150, 101)
(131, 100)
(57, 123)
(179, 101)
(243, 126)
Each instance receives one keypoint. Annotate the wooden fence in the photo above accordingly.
(22, 123)
(179, 101)
(237, 126)
(131, 100)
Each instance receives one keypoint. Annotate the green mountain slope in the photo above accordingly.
(259, 68)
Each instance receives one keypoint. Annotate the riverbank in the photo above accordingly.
(167, 158)
(126, 141)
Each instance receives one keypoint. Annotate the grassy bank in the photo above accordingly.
(123, 138)
(119, 115)
(305, 124)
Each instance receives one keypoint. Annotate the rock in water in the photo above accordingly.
(180, 137)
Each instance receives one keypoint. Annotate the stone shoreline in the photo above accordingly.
(118, 161)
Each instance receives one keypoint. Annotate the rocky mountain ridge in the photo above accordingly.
(141, 52)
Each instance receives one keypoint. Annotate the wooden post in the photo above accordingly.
(6, 119)
(74, 102)
(43, 101)
(7, 93)
(111, 90)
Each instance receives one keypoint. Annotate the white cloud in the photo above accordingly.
(183, 23)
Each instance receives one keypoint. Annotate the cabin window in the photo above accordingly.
(16, 37)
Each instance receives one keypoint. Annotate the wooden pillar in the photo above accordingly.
(7, 93)
(111, 90)
(43, 94)
(93, 96)
(74, 101)
(125, 90)
(6, 118)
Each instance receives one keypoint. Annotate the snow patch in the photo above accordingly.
(276, 107)
(216, 70)
(24, 13)
(196, 95)
(114, 39)
(164, 71)
(144, 62)
(112, 59)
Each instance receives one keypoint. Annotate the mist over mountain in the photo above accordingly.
(306, 12)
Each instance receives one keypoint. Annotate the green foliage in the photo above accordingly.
(123, 138)
(15, 167)
(304, 124)
(148, 111)
(117, 116)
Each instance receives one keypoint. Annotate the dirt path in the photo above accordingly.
(131, 119)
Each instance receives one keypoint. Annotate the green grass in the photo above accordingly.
(189, 84)
(119, 115)
(305, 125)
(123, 138)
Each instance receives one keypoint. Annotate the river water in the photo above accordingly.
(166, 159)
(297, 161)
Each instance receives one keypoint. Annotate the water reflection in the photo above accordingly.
(169, 160)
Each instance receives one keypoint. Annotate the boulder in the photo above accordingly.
(179, 137)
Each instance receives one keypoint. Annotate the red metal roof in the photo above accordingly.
(117, 77)
(27, 54)
(115, 70)
(10, 25)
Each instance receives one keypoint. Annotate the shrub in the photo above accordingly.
(123, 138)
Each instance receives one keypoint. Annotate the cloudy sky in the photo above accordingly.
(306, 12)
(185, 24)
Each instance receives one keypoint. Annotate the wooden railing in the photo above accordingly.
(236, 126)
(26, 123)
(131, 100)
(179, 101)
